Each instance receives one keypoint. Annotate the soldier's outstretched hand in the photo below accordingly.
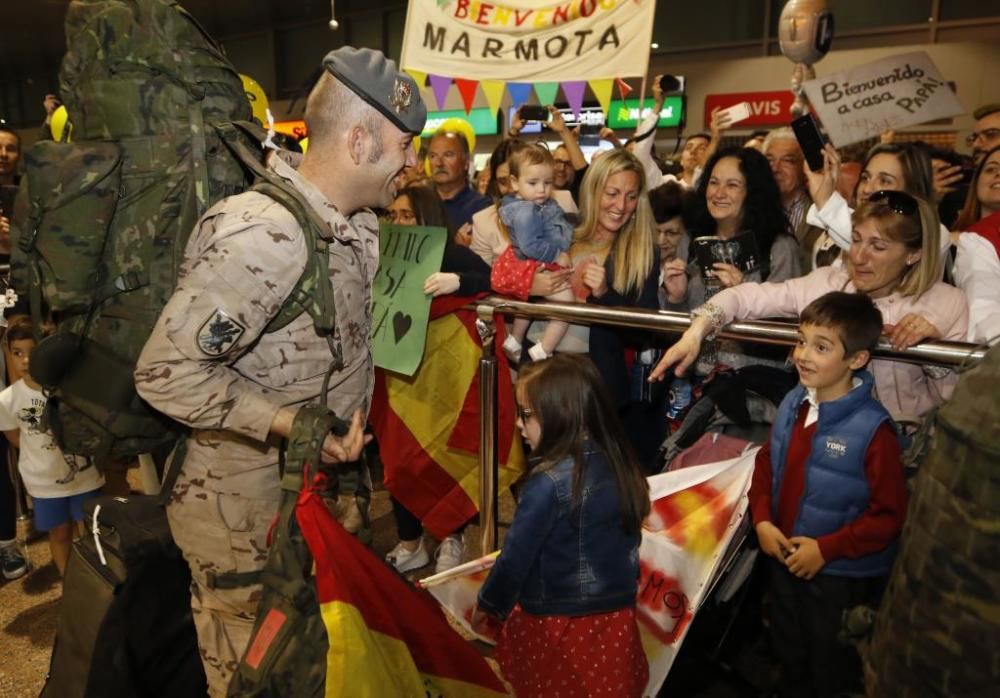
(347, 448)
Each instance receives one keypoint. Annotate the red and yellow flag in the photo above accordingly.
(427, 425)
(385, 637)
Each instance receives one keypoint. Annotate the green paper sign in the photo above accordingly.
(625, 113)
(407, 256)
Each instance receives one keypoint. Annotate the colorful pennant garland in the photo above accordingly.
(546, 92)
(493, 91)
(467, 89)
(440, 85)
(602, 91)
(519, 92)
(573, 92)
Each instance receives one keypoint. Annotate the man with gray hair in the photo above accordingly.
(219, 362)
(782, 150)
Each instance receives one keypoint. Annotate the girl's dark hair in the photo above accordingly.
(572, 405)
(972, 211)
(500, 155)
(427, 206)
(670, 200)
(763, 214)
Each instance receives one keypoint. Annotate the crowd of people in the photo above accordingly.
(855, 250)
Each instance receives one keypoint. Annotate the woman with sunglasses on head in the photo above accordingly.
(977, 262)
(893, 259)
(887, 167)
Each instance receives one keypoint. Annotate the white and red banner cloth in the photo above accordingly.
(529, 40)
(696, 512)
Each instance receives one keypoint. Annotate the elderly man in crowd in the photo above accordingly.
(448, 154)
(214, 363)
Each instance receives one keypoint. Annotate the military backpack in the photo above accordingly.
(101, 223)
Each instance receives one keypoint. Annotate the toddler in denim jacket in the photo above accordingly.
(539, 234)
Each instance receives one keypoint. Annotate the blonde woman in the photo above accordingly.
(616, 263)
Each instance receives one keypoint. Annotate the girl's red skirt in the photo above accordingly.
(560, 656)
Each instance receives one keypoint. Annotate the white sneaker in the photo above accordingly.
(537, 353)
(450, 553)
(405, 560)
(512, 348)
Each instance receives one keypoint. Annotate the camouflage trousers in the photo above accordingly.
(221, 533)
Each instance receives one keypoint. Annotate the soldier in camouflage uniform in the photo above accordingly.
(210, 362)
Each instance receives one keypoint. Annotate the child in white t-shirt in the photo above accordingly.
(59, 484)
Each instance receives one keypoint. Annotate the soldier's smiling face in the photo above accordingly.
(389, 161)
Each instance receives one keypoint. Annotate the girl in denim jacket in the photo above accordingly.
(565, 581)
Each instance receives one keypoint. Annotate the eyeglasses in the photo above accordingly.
(789, 160)
(563, 163)
(524, 414)
(987, 135)
(899, 201)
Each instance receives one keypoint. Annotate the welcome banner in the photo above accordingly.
(529, 40)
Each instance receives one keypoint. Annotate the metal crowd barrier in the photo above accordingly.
(938, 353)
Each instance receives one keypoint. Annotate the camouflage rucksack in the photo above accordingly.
(936, 632)
(101, 223)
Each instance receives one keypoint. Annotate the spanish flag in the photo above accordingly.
(427, 425)
(385, 637)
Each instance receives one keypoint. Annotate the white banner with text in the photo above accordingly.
(529, 40)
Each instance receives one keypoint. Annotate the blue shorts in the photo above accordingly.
(54, 511)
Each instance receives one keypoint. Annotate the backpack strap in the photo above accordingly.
(305, 443)
(313, 293)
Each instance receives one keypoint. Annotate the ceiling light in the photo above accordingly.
(654, 46)
(334, 24)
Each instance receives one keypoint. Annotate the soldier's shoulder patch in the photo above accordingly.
(218, 333)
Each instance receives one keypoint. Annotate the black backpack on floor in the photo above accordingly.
(125, 627)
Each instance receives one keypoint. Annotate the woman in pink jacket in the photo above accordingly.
(894, 259)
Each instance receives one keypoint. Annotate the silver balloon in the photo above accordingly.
(805, 30)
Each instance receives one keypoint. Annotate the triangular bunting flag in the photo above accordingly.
(493, 90)
(573, 91)
(467, 88)
(440, 85)
(602, 90)
(519, 92)
(624, 89)
(546, 92)
(419, 76)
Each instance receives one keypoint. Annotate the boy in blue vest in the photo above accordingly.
(828, 497)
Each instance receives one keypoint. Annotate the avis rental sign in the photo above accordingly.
(529, 40)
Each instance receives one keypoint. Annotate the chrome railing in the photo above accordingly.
(759, 331)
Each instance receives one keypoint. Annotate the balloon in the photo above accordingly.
(805, 30)
(58, 125)
(257, 98)
(461, 126)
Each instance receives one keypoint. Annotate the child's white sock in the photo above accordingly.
(512, 348)
(537, 352)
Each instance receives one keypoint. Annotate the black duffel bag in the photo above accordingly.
(125, 626)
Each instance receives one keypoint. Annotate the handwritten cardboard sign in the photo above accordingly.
(890, 93)
(407, 256)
